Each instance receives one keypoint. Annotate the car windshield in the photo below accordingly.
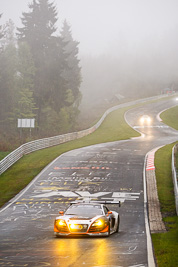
(85, 210)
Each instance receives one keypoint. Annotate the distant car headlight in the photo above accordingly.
(142, 120)
(145, 119)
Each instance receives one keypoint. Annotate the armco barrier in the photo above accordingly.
(175, 175)
(32, 146)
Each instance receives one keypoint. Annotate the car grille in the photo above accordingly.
(64, 229)
(79, 228)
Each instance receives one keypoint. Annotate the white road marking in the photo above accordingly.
(138, 265)
(109, 153)
(86, 195)
(108, 266)
(131, 249)
(150, 126)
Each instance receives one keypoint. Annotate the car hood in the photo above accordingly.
(78, 218)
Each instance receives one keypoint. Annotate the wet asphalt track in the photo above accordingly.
(112, 171)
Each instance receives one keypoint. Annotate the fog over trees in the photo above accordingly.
(133, 70)
(40, 74)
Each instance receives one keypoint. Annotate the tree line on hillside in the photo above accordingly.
(40, 75)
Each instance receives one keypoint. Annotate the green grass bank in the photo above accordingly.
(166, 244)
(170, 117)
(3, 154)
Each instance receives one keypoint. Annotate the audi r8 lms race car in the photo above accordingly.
(91, 218)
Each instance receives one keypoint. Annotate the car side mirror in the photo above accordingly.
(109, 212)
(61, 213)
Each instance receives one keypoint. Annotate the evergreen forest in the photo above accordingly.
(40, 76)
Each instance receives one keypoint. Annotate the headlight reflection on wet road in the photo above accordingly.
(67, 251)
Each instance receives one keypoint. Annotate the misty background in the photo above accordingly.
(127, 48)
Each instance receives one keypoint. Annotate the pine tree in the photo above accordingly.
(1, 30)
(37, 32)
(56, 83)
(57, 73)
(8, 64)
(72, 74)
(38, 27)
(25, 89)
(25, 105)
(8, 34)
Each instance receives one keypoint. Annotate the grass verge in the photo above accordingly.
(12, 181)
(3, 154)
(166, 244)
(170, 117)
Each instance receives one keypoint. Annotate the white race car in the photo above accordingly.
(145, 119)
(87, 218)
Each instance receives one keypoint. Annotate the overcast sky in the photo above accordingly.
(100, 25)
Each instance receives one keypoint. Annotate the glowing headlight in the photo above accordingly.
(145, 119)
(142, 120)
(98, 223)
(72, 226)
(60, 223)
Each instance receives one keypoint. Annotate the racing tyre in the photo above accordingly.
(117, 228)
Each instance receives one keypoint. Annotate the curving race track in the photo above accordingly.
(112, 171)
